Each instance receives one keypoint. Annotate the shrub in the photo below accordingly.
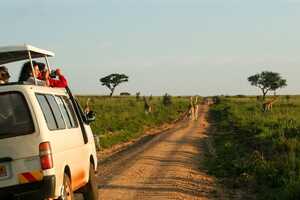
(138, 96)
(124, 94)
(167, 100)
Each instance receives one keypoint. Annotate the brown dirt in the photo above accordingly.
(149, 133)
(166, 167)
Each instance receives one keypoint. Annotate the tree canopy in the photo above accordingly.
(267, 81)
(113, 80)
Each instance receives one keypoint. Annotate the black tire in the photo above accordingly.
(67, 189)
(90, 191)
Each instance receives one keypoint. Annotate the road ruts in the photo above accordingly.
(166, 167)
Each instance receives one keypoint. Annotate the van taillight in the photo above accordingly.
(46, 155)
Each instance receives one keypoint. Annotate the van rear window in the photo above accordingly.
(15, 118)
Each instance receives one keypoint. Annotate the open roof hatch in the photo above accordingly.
(10, 54)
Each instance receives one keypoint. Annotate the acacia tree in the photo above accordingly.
(112, 81)
(267, 81)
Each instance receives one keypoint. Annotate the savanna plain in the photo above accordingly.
(237, 150)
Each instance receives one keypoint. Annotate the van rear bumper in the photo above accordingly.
(38, 190)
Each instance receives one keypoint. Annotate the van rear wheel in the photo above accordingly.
(90, 191)
(67, 193)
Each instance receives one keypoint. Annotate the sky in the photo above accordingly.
(180, 47)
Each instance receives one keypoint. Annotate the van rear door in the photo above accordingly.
(19, 153)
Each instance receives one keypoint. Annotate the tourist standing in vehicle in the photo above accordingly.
(4, 75)
(54, 78)
(57, 79)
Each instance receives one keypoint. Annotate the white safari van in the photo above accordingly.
(47, 148)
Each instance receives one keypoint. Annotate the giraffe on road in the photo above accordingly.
(194, 108)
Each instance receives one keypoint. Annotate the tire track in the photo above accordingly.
(166, 166)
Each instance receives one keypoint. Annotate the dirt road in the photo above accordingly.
(166, 167)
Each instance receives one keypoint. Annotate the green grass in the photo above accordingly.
(120, 119)
(256, 149)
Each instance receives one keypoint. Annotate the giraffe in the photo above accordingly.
(87, 108)
(191, 109)
(147, 106)
(196, 108)
(268, 105)
(88, 113)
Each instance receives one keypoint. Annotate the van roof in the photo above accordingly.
(28, 87)
(20, 52)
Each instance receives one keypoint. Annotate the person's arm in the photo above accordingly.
(62, 79)
(61, 82)
(46, 78)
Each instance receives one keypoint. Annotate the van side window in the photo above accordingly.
(48, 114)
(56, 111)
(15, 117)
(64, 111)
(71, 112)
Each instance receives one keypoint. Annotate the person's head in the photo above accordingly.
(4, 75)
(41, 66)
(26, 71)
(42, 74)
(36, 68)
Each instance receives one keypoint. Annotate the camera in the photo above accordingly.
(53, 74)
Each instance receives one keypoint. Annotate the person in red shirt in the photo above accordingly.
(53, 78)
(59, 81)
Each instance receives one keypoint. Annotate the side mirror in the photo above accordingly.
(90, 116)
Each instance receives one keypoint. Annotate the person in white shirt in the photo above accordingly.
(28, 76)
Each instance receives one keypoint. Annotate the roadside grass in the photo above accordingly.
(260, 151)
(120, 119)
